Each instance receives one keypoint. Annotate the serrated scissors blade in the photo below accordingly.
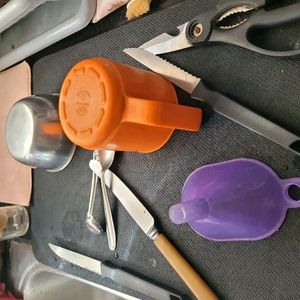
(179, 77)
(165, 42)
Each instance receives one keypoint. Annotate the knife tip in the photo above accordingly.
(52, 247)
(128, 50)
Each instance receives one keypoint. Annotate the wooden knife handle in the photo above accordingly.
(191, 278)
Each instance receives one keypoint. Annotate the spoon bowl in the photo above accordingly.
(106, 158)
(93, 225)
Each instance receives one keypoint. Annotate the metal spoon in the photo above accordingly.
(92, 224)
(106, 158)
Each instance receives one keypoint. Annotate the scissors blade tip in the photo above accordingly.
(167, 42)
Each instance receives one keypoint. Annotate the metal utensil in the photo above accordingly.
(230, 22)
(146, 222)
(220, 103)
(34, 135)
(106, 158)
(117, 275)
(91, 223)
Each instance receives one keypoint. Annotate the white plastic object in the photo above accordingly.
(47, 24)
(14, 10)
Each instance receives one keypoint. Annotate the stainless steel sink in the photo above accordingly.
(35, 281)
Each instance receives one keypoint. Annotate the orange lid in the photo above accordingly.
(90, 103)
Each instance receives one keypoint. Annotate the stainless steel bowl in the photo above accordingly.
(34, 135)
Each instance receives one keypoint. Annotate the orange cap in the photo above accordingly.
(86, 102)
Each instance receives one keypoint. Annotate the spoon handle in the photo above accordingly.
(92, 196)
(110, 228)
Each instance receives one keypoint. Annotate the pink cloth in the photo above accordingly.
(5, 295)
(15, 178)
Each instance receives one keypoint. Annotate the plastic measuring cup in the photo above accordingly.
(241, 199)
(108, 105)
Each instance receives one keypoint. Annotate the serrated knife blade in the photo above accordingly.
(179, 77)
(219, 103)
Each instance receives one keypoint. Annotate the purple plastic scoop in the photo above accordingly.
(241, 199)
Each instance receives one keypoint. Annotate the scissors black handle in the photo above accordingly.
(239, 35)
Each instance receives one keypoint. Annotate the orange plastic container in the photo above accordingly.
(107, 105)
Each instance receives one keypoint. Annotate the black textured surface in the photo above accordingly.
(267, 269)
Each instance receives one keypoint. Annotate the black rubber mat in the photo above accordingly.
(267, 269)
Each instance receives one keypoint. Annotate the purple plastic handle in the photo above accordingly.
(286, 184)
(189, 211)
